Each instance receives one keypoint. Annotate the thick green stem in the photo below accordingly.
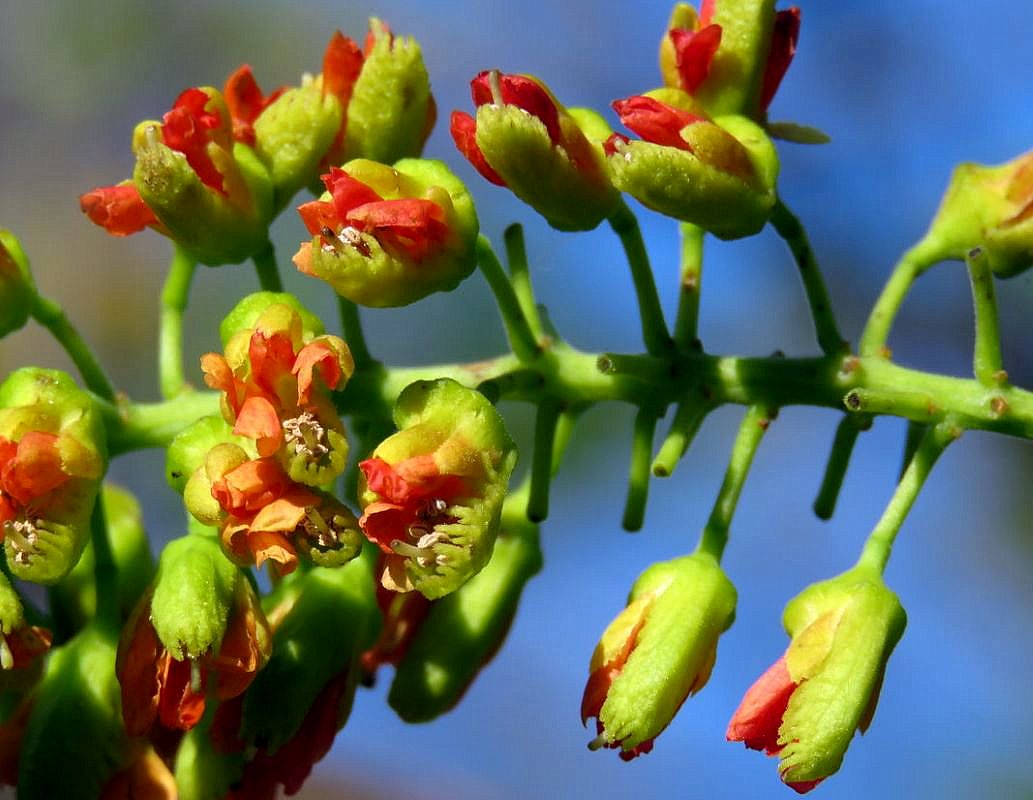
(686, 324)
(877, 548)
(521, 339)
(105, 572)
(687, 420)
(137, 426)
(520, 278)
(839, 458)
(654, 328)
(638, 471)
(791, 230)
(915, 433)
(987, 363)
(174, 297)
(542, 460)
(52, 317)
(751, 431)
(351, 328)
(268, 271)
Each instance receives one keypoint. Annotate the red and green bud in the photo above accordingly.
(432, 493)
(201, 621)
(191, 446)
(74, 741)
(657, 652)
(462, 632)
(73, 602)
(717, 174)
(688, 47)
(17, 288)
(52, 457)
(275, 380)
(551, 158)
(389, 236)
(806, 707)
(990, 208)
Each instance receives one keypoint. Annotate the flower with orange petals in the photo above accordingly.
(388, 236)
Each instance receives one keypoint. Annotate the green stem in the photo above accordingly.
(52, 317)
(542, 460)
(638, 471)
(521, 339)
(686, 324)
(105, 571)
(268, 271)
(751, 431)
(137, 426)
(987, 363)
(564, 430)
(849, 429)
(174, 297)
(520, 277)
(877, 548)
(915, 433)
(654, 328)
(686, 424)
(876, 331)
(351, 327)
(791, 230)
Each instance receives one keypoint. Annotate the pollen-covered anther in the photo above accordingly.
(324, 534)
(23, 536)
(195, 676)
(598, 742)
(306, 435)
(6, 656)
(424, 555)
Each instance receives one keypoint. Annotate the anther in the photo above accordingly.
(598, 742)
(195, 676)
(411, 551)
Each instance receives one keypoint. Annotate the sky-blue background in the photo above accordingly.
(906, 89)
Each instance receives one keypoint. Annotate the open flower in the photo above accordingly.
(275, 385)
(806, 707)
(719, 174)
(656, 652)
(388, 236)
(432, 493)
(549, 156)
(51, 462)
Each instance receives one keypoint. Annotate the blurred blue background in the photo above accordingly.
(906, 89)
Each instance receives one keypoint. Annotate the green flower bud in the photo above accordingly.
(323, 620)
(17, 288)
(991, 208)
(462, 632)
(550, 157)
(658, 651)
(190, 447)
(52, 447)
(245, 315)
(197, 494)
(806, 707)
(432, 493)
(74, 740)
(388, 236)
(73, 602)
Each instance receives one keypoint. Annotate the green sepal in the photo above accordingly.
(464, 630)
(292, 136)
(193, 593)
(200, 770)
(682, 607)
(843, 631)
(372, 276)
(246, 313)
(73, 601)
(17, 287)
(213, 227)
(190, 447)
(47, 400)
(391, 110)
(74, 741)
(568, 184)
(327, 617)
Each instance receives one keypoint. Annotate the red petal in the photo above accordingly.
(464, 133)
(187, 129)
(706, 12)
(118, 209)
(610, 145)
(780, 56)
(757, 720)
(319, 214)
(342, 63)
(258, 420)
(34, 470)
(245, 102)
(347, 192)
(654, 121)
(410, 226)
(694, 52)
(522, 92)
(179, 708)
(802, 787)
(384, 479)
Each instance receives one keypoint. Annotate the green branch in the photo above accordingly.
(174, 297)
(518, 331)
(987, 363)
(686, 324)
(52, 317)
(267, 270)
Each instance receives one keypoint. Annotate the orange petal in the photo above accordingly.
(283, 515)
(179, 708)
(757, 720)
(268, 546)
(258, 420)
(342, 63)
(35, 469)
(136, 666)
(120, 210)
(333, 366)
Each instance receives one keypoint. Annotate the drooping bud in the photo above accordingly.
(717, 174)
(551, 158)
(52, 457)
(658, 651)
(806, 707)
(462, 632)
(388, 236)
(17, 288)
(432, 493)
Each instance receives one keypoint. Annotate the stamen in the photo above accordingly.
(353, 237)
(325, 537)
(496, 87)
(411, 551)
(306, 435)
(195, 676)
(6, 656)
(598, 742)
